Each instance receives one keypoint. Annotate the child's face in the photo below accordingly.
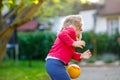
(78, 29)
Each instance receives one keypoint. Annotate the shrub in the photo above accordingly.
(35, 45)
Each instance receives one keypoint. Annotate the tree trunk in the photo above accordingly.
(1, 27)
(7, 33)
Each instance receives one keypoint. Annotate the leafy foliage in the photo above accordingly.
(35, 45)
(105, 43)
(53, 8)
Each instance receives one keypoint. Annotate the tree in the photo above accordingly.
(53, 8)
(0, 14)
(23, 12)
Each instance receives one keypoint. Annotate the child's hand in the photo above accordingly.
(80, 44)
(86, 54)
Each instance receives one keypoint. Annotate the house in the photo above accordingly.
(104, 18)
(56, 23)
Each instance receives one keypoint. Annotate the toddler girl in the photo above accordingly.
(63, 49)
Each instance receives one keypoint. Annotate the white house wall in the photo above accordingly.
(57, 24)
(88, 19)
(119, 24)
(101, 24)
(101, 21)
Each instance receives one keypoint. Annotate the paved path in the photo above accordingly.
(100, 73)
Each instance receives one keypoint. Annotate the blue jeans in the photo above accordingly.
(56, 70)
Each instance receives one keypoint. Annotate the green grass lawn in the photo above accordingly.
(9, 70)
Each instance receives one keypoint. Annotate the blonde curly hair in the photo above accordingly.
(75, 20)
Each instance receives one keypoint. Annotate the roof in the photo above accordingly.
(29, 26)
(110, 7)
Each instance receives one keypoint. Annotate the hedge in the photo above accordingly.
(35, 45)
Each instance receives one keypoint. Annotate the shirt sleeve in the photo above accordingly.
(64, 35)
(76, 56)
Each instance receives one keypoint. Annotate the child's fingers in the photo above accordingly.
(81, 47)
(84, 43)
(88, 51)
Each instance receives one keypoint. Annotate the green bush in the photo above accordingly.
(104, 43)
(35, 45)
(87, 37)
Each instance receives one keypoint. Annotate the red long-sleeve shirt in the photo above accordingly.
(62, 48)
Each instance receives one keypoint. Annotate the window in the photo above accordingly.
(112, 26)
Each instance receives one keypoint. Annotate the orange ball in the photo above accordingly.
(73, 71)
